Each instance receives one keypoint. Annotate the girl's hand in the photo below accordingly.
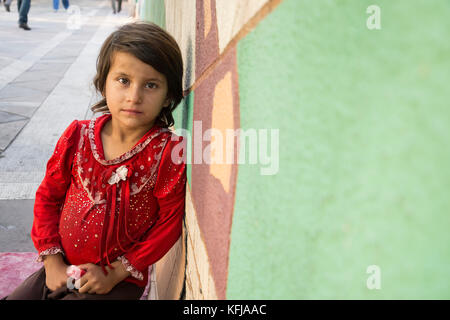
(55, 272)
(95, 281)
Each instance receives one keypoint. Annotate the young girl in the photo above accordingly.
(113, 197)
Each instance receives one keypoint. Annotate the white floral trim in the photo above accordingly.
(129, 267)
(50, 251)
(138, 148)
(153, 170)
(79, 159)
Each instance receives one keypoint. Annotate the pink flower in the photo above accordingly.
(75, 272)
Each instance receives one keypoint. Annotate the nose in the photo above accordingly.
(134, 94)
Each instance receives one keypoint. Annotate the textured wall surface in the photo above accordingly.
(363, 122)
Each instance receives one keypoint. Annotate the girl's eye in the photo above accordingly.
(123, 80)
(151, 85)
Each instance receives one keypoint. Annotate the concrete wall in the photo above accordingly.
(358, 207)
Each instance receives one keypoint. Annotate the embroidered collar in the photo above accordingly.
(94, 134)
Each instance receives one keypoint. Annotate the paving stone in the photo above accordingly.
(16, 93)
(9, 130)
(10, 117)
(42, 75)
(22, 108)
(16, 220)
(58, 60)
(45, 84)
(48, 68)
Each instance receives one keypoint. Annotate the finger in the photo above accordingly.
(85, 288)
(83, 284)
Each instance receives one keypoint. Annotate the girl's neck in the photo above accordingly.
(124, 135)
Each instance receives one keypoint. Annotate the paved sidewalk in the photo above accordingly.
(45, 83)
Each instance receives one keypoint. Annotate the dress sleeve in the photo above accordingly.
(170, 191)
(51, 194)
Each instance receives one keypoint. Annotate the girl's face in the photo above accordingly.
(135, 92)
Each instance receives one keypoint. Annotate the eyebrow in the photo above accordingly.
(126, 75)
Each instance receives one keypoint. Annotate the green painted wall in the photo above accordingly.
(154, 11)
(364, 160)
(183, 116)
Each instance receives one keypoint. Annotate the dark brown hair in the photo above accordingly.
(153, 46)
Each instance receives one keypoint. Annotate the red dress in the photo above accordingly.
(144, 189)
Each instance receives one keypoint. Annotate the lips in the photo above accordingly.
(132, 111)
